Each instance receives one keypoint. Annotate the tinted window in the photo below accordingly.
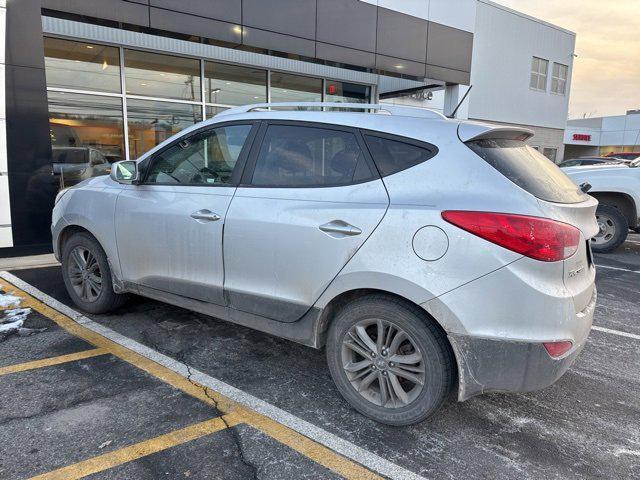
(528, 169)
(296, 156)
(392, 156)
(206, 159)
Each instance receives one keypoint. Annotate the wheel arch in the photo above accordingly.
(622, 201)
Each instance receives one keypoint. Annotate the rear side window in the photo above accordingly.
(392, 156)
(300, 156)
(529, 169)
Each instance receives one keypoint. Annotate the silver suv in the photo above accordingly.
(427, 255)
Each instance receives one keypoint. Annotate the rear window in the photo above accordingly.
(528, 169)
(392, 156)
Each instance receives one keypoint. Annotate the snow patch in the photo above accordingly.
(7, 300)
(625, 451)
(13, 319)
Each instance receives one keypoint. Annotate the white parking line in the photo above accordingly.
(617, 268)
(616, 332)
(339, 445)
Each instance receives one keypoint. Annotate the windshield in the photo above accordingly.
(529, 169)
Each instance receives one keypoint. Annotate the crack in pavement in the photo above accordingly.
(180, 355)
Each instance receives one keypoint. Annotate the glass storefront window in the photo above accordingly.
(81, 66)
(152, 122)
(233, 85)
(212, 111)
(162, 76)
(346, 92)
(86, 135)
(295, 88)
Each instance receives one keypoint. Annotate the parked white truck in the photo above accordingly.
(617, 188)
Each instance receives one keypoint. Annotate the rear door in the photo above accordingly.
(310, 198)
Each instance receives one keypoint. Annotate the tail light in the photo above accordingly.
(557, 349)
(535, 237)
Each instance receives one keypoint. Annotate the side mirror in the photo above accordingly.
(125, 172)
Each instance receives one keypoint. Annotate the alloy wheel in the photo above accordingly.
(84, 274)
(383, 363)
(607, 229)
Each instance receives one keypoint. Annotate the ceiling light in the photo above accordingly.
(104, 65)
(89, 46)
(399, 67)
(215, 90)
(237, 29)
(143, 84)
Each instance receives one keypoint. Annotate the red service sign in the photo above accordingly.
(581, 137)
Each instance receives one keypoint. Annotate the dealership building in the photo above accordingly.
(603, 135)
(89, 82)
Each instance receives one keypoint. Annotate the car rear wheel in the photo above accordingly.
(613, 231)
(389, 361)
(87, 275)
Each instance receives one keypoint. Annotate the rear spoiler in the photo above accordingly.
(468, 132)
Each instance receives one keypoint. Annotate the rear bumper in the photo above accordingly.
(496, 365)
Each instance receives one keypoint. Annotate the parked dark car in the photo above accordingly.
(577, 162)
(628, 156)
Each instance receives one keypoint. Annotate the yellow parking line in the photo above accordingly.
(133, 452)
(46, 362)
(307, 447)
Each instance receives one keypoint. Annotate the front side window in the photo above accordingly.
(559, 78)
(539, 71)
(392, 156)
(208, 158)
(296, 156)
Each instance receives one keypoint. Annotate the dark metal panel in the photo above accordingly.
(192, 25)
(226, 10)
(24, 34)
(281, 16)
(401, 35)
(449, 47)
(400, 65)
(276, 41)
(116, 10)
(32, 186)
(345, 55)
(448, 75)
(348, 23)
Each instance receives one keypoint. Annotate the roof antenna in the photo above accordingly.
(464, 97)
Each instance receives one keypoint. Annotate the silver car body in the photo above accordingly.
(266, 264)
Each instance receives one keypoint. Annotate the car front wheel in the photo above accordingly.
(389, 361)
(87, 275)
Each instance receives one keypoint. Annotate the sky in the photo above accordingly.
(606, 73)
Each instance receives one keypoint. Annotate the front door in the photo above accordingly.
(311, 200)
(169, 228)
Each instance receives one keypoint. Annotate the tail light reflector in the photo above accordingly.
(539, 238)
(557, 349)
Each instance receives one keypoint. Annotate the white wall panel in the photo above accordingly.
(6, 236)
(453, 13)
(504, 44)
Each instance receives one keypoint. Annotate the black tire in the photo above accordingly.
(614, 229)
(106, 300)
(437, 361)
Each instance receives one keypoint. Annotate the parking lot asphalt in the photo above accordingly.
(587, 425)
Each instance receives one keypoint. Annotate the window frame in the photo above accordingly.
(559, 79)
(398, 138)
(252, 160)
(538, 74)
(147, 163)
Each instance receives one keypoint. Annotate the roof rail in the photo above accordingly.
(379, 108)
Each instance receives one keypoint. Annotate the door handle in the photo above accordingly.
(205, 216)
(339, 229)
